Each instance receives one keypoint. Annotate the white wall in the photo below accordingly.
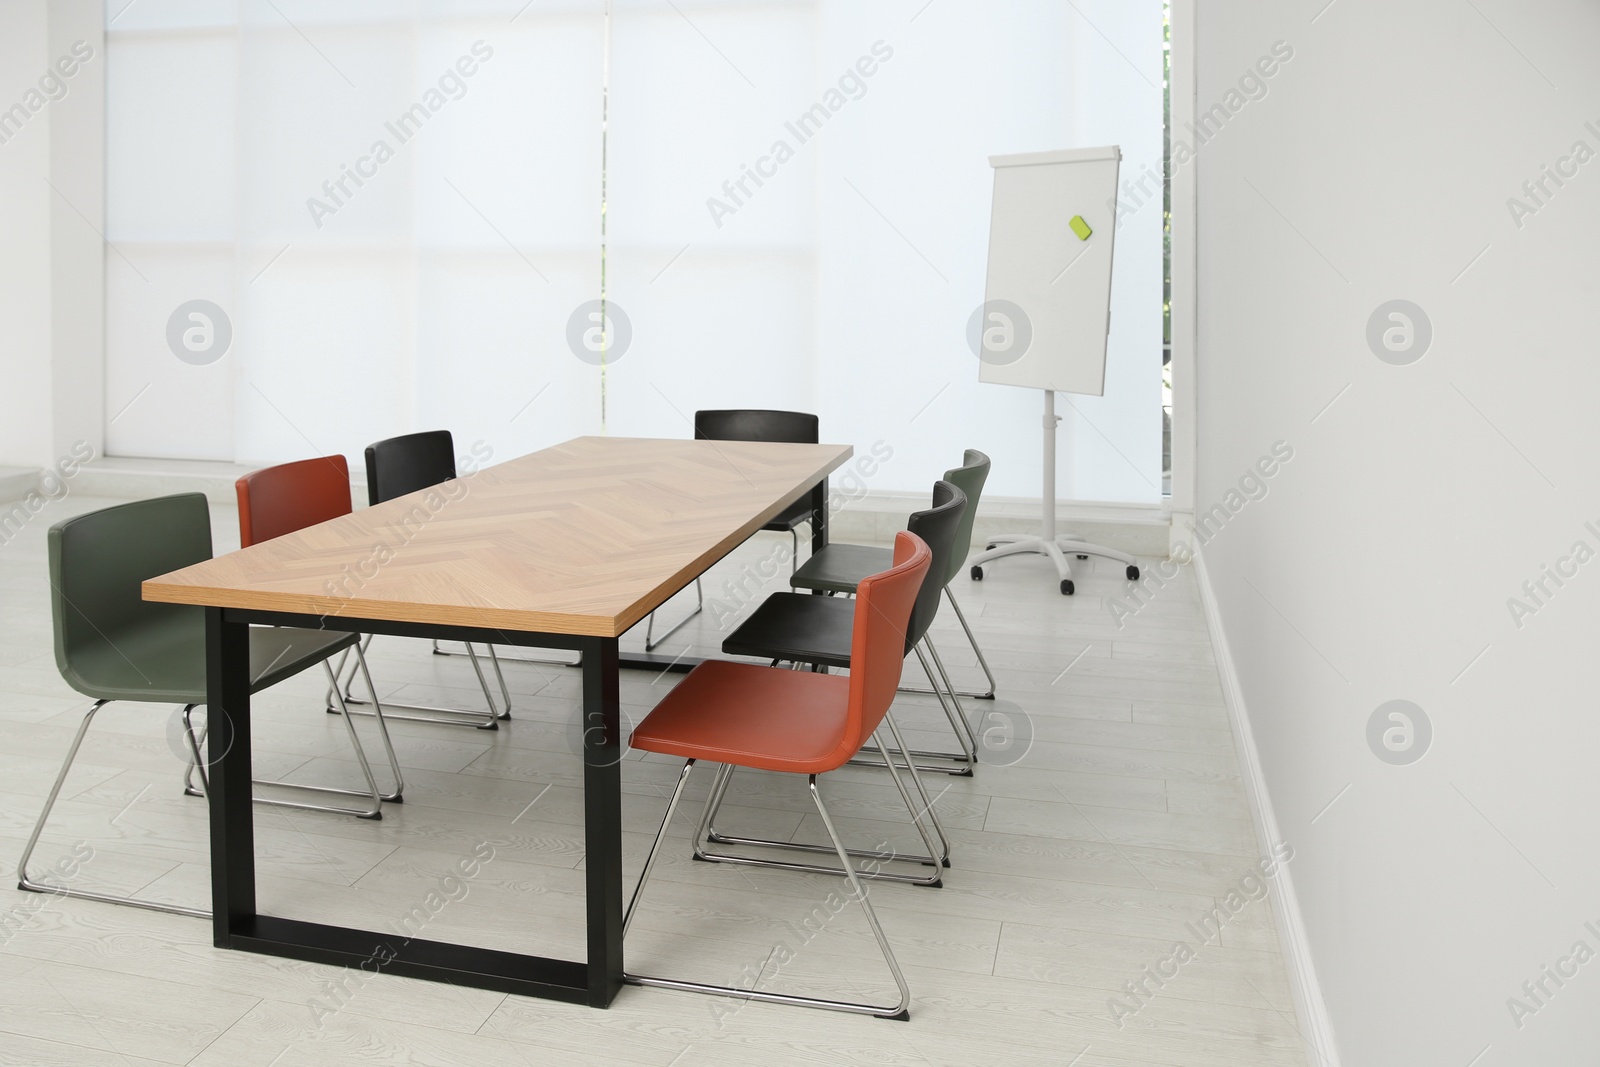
(75, 39)
(1379, 564)
(50, 288)
(24, 287)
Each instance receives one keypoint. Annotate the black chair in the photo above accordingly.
(838, 567)
(803, 629)
(794, 427)
(397, 466)
(400, 465)
(750, 424)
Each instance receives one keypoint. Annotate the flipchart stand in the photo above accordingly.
(1047, 310)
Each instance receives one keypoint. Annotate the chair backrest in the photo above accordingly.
(969, 478)
(937, 526)
(98, 560)
(877, 643)
(753, 424)
(291, 496)
(400, 465)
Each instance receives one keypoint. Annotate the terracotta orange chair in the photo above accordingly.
(798, 722)
(291, 496)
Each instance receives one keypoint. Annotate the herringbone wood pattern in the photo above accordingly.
(586, 537)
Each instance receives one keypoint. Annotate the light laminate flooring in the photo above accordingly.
(1106, 825)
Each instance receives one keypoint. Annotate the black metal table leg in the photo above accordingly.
(235, 923)
(819, 533)
(233, 852)
(602, 817)
(819, 516)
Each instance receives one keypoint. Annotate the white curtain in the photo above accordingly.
(796, 216)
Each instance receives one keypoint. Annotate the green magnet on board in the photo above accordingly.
(1080, 227)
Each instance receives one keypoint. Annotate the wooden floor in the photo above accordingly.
(1114, 821)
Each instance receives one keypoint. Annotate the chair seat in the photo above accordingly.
(792, 516)
(167, 663)
(798, 627)
(838, 568)
(748, 715)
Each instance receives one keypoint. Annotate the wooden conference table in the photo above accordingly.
(565, 548)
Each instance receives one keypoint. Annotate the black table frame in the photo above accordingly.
(235, 921)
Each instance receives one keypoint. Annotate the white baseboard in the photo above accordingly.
(1141, 529)
(17, 482)
(1312, 1011)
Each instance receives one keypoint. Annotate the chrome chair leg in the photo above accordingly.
(965, 760)
(971, 640)
(943, 849)
(859, 892)
(655, 846)
(505, 693)
(922, 790)
(197, 763)
(440, 650)
(650, 642)
(33, 885)
(899, 1011)
(429, 713)
(719, 786)
(960, 713)
(708, 833)
(397, 796)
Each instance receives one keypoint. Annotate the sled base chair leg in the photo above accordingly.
(27, 882)
(858, 892)
(440, 650)
(707, 833)
(971, 640)
(197, 763)
(481, 720)
(651, 642)
(962, 763)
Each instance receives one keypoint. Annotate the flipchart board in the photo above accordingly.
(1047, 304)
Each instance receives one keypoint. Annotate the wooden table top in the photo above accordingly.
(586, 537)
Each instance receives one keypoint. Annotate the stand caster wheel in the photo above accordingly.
(989, 547)
(1066, 587)
(1133, 573)
(977, 574)
(1082, 556)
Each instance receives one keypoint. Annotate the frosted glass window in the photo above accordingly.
(796, 193)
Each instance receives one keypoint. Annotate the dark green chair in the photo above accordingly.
(838, 567)
(113, 645)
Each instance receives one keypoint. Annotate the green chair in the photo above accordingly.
(838, 567)
(113, 645)
(969, 478)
